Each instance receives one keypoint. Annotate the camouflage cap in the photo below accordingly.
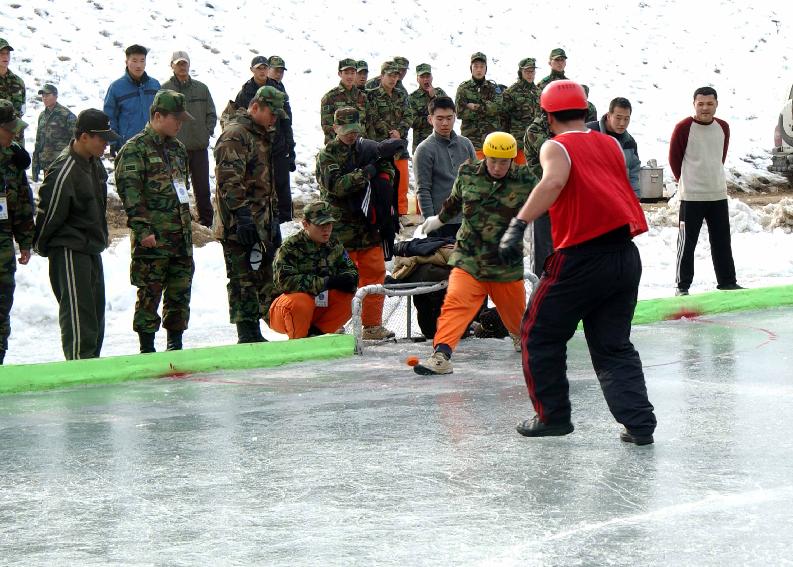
(479, 56)
(93, 121)
(272, 97)
(259, 60)
(277, 62)
(177, 56)
(558, 52)
(348, 120)
(528, 63)
(319, 212)
(8, 118)
(423, 69)
(401, 62)
(347, 64)
(48, 88)
(361, 65)
(390, 67)
(171, 102)
(4, 45)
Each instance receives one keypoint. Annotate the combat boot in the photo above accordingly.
(437, 363)
(535, 428)
(2, 356)
(174, 340)
(249, 332)
(376, 333)
(146, 342)
(515, 342)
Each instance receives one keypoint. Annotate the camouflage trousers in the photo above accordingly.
(250, 291)
(167, 278)
(8, 267)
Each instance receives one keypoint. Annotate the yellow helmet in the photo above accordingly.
(500, 145)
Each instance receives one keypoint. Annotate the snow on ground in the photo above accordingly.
(654, 53)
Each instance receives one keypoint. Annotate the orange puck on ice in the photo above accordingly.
(412, 360)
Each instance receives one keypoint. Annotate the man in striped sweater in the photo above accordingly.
(696, 155)
(71, 230)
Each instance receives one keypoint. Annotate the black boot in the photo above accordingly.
(2, 356)
(174, 340)
(535, 428)
(146, 342)
(249, 332)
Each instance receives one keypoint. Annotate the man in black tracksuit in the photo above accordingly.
(71, 230)
(283, 143)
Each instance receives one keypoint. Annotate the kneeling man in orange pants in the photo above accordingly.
(315, 276)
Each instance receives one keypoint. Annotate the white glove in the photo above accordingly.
(432, 223)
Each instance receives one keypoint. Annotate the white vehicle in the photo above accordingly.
(782, 154)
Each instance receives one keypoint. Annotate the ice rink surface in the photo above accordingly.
(361, 462)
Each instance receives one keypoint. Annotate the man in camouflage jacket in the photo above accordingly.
(283, 142)
(346, 94)
(402, 64)
(536, 134)
(55, 129)
(478, 102)
(246, 209)
(557, 60)
(12, 87)
(315, 276)
(16, 213)
(488, 193)
(342, 181)
(389, 117)
(521, 104)
(418, 101)
(152, 181)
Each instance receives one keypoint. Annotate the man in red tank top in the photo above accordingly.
(593, 274)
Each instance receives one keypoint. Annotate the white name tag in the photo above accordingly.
(321, 300)
(181, 191)
(3, 208)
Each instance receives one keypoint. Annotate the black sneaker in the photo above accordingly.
(729, 287)
(680, 291)
(535, 428)
(629, 437)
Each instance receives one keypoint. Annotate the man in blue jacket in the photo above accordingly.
(129, 98)
(615, 124)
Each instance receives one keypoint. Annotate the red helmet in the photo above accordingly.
(563, 95)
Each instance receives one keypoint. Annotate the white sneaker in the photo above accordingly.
(376, 333)
(437, 363)
(516, 342)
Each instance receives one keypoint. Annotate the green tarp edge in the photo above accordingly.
(30, 377)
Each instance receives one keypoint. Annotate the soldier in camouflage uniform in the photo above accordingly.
(246, 209)
(362, 74)
(402, 64)
(478, 103)
(521, 104)
(557, 61)
(315, 276)
(12, 87)
(16, 213)
(536, 134)
(389, 117)
(342, 179)
(56, 128)
(152, 181)
(346, 94)
(488, 192)
(418, 101)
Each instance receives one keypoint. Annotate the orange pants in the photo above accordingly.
(294, 313)
(371, 270)
(520, 159)
(464, 297)
(404, 182)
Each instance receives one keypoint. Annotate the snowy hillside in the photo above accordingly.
(654, 53)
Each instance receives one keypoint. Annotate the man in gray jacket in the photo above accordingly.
(437, 160)
(615, 124)
(195, 134)
(71, 230)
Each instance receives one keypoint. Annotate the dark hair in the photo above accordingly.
(706, 91)
(154, 109)
(136, 49)
(440, 102)
(570, 114)
(621, 102)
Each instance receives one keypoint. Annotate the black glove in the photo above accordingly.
(20, 157)
(343, 283)
(367, 152)
(510, 249)
(389, 148)
(246, 229)
(370, 170)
